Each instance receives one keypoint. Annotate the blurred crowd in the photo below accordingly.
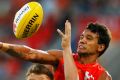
(79, 12)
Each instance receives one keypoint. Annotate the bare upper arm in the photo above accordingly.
(45, 57)
(56, 53)
(105, 76)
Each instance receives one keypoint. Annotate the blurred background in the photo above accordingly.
(78, 12)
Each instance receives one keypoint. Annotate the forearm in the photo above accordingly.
(19, 51)
(70, 69)
(29, 54)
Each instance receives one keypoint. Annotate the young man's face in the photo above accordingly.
(88, 43)
(33, 76)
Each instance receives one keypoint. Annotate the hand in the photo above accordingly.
(66, 38)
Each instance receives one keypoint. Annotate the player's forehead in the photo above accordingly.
(88, 32)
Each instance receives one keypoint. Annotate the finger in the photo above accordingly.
(60, 32)
(68, 28)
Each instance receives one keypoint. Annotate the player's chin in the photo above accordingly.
(81, 51)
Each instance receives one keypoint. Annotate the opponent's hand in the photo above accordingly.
(66, 38)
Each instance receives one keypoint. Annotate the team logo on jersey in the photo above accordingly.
(88, 76)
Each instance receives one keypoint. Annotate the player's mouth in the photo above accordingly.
(81, 47)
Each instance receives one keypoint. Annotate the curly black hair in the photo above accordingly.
(103, 33)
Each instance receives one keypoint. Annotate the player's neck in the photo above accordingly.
(88, 59)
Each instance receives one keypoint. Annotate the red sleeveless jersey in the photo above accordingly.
(86, 71)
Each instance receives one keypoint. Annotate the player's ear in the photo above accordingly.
(101, 47)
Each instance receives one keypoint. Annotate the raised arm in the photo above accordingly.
(70, 68)
(26, 53)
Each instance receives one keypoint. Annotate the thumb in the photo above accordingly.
(60, 33)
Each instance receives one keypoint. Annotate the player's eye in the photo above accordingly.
(89, 38)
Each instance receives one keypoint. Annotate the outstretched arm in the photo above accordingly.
(70, 68)
(29, 54)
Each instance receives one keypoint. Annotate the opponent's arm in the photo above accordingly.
(70, 68)
(29, 54)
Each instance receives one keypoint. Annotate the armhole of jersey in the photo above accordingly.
(109, 77)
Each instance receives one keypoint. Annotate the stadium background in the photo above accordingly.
(79, 12)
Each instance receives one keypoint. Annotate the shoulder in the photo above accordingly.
(105, 76)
